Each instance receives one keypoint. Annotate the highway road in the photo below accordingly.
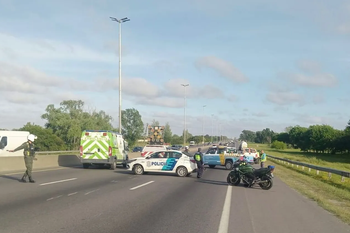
(102, 200)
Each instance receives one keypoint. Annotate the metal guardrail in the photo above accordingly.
(343, 174)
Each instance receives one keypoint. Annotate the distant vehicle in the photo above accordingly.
(164, 161)
(251, 155)
(102, 148)
(150, 149)
(176, 147)
(137, 149)
(192, 143)
(9, 140)
(220, 156)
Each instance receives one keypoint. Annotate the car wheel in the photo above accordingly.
(138, 169)
(228, 165)
(181, 171)
(86, 165)
(113, 166)
(212, 166)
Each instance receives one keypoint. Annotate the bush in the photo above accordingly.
(278, 145)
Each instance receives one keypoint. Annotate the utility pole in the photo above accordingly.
(184, 134)
(203, 124)
(120, 21)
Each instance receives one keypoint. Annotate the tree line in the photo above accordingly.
(65, 123)
(315, 138)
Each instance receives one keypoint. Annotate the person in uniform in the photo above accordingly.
(198, 156)
(29, 156)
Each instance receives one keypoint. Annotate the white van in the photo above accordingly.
(10, 140)
(150, 149)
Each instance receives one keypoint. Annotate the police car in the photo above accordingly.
(164, 161)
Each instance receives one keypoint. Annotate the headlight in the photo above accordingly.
(236, 169)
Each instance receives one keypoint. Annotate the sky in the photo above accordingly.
(253, 64)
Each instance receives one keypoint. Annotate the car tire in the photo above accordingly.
(212, 166)
(138, 169)
(113, 165)
(181, 171)
(228, 165)
(86, 165)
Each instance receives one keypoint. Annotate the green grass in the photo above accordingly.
(331, 193)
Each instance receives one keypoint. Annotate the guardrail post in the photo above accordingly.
(329, 175)
(342, 179)
(297, 166)
(309, 169)
(317, 172)
(303, 167)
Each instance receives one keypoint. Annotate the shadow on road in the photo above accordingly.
(10, 177)
(216, 182)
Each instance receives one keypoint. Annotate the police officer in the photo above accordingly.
(198, 156)
(29, 156)
(186, 151)
(262, 159)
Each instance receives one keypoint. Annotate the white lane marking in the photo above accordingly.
(141, 185)
(225, 216)
(91, 192)
(114, 181)
(54, 198)
(72, 194)
(58, 181)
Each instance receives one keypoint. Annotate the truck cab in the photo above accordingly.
(220, 156)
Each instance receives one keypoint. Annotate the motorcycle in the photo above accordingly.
(242, 171)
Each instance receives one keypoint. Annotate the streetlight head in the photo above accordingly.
(124, 19)
(114, 19)
(185, 85)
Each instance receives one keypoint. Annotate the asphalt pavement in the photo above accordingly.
(103, 200)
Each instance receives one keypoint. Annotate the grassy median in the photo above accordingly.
(332, 193)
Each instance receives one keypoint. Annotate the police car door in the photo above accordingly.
(156, 161)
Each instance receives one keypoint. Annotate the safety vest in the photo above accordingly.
(197, 157)
(263, 157)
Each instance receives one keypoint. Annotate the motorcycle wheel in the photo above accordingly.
(233, 180)
(268, 184)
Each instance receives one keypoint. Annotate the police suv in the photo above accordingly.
(164, 161)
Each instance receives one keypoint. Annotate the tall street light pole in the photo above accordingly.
(212, 125)
(120, 21)
(203, 124)
(184, 134)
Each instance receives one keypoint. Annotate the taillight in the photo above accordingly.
(110, 151)
(193, 161)
(81, 150)
(104, 134)
(87, 134)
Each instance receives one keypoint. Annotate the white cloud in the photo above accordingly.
(316, 80)
(224, 68)
(29, 51)
(312, 120)
(309, 66)
(284, 98)
(160, 101)
(315, 76)
(210, 92)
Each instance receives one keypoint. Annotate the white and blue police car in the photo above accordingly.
(164, 161)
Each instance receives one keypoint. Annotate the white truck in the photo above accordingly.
(9, 140)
